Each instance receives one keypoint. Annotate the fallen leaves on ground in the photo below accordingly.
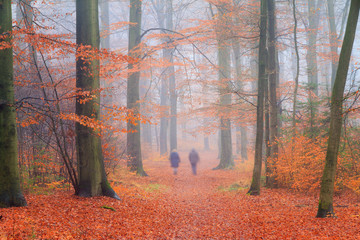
(164, 206)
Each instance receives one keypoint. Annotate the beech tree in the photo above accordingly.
(10, 192)
(332, 38)
(226, 157)
(311, 60)
(170, 74)
(255, 183)
(133, 94)
(312, 31)
(241, 134)
(105, 23)
(326, 208)
(92, 176)
(272, 71)
(160, 9)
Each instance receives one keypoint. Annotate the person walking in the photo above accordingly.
(194, 159)
(174, 160)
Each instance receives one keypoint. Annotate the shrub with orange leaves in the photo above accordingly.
(301, 162)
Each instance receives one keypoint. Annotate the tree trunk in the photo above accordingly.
(92, 177)
(241, 137)
(145, 95)
(325, 208)
(312, 69)
(171, 76)
(238, 140)
(10, 192)
(206, 133)
(105, 24)
(163, 119)
(311, 59)
(296, 74)
(164, 122)
(332, 39)
(105, 44)
(343, 19)
(279, 104)
(255, 183)
(272, 73)
(206, 143)
(244, 141)
(133, 95)
(226, 158)
(267, 124)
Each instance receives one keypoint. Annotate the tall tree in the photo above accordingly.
(332, 38)
(327, 182)
(159, 6)
(255, 183)
(105, 43)
(226, 157)
(272, 72)
(241, 141)
(312, 30)
(133, 95)
(171, 76)
(10, 192)
(105, 23)
(164, 118)
(92, 177)
(297, 71)
(311, 59)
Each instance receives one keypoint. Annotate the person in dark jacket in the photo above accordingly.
(174, 160)
(194, 159)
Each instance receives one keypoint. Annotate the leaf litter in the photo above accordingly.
(211, 205)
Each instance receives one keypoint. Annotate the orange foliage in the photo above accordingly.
(301, 163)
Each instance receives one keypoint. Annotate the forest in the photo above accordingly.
(179, 119)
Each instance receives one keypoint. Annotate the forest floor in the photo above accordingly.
(211, 205)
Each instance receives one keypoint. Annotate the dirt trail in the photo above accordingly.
(186, 187)
(193, 211)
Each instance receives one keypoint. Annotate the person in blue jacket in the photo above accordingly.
(174, 160)
(194, 159)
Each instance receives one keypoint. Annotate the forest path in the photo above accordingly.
(195, 204)
(164, 206)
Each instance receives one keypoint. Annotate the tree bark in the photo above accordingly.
(244, 142)
(312, 30)
(226, 158)
(267, 122)
(206, 133)
(10, 192)
(241, 136)
(326, 208)
(332, 39)
(133, 94)
(272, 75)
(105, 24)
(92, 177)
(296, 74)
(255, 183)
(311, 59)
(164, 121)
(170, 74)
